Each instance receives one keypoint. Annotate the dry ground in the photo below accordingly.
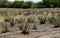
(43, 31)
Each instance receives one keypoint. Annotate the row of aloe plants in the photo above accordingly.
(29, 21)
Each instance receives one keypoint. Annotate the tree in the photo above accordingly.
(8, 4)
(2, 3)
(18, 4)
(3, 0)
(27, 4)
(39, 4)
(33, 5)
(53, 3)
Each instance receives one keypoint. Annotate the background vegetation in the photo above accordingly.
(30, 4)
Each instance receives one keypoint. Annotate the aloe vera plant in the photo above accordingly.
(51, 18)
(26, 28)
(55, 19)
(31, 19)
(8, 17)
(5, 27)
(42, 19)
(28, 25)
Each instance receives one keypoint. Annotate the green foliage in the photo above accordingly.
(8, 4)
(52, 3)
(18, 4)
(33, 5)
(39, 5)
(2, 3)
(27, 4)
(30, 4)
